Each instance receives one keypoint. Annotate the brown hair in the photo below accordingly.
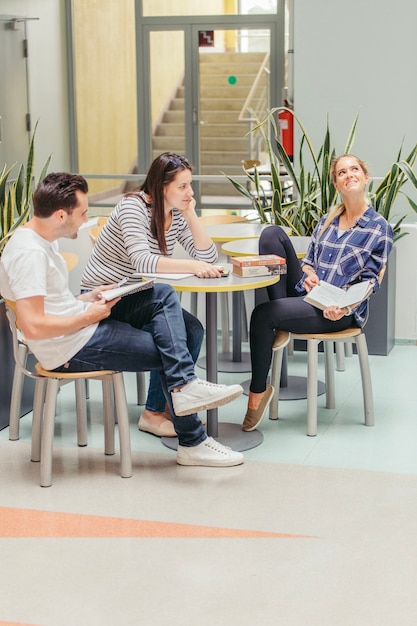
(162, 171)
(58, 191)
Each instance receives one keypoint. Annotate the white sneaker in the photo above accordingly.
(209, 453)
(199, 395)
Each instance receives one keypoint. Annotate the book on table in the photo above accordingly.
(259, 270)
(325, 294)
(258, 259)
(125, 290)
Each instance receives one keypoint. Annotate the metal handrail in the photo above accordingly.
(256, 103)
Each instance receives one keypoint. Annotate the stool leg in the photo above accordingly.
(48, 432)
(108, 415)
(329, 369)
(276, 367)
(312, 356)
(141, 387)
(123, 424)
(16, 396)
(37, 416)
(81, 410)
(340, 356)
(368, 399)
(348, 349)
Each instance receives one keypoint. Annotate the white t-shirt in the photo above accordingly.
(32, 266)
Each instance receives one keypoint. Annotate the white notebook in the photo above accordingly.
(119, 292)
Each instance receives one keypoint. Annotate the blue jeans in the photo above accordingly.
(155, 400)
(122, 343)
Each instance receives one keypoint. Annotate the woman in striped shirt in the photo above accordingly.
(139, 237)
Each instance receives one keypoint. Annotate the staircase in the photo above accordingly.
(222, 136)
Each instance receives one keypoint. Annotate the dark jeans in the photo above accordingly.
(155, 400)
(286, 311)
(122, 343)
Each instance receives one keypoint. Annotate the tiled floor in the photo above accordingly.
(310, 531)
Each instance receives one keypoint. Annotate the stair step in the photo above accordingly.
(169, 130)
(225, 57)
(223, 104)
(168, 144)
(222, 130)
(238, 67)
(219, 80)
(223, 159)
(227, 91)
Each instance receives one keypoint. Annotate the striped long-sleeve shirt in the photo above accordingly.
(126, 245)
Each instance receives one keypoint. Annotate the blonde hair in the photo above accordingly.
(338, 209)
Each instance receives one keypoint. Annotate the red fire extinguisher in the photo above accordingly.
(286, 131)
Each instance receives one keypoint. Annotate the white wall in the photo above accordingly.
(47, 77)
(406, 286)
(358, 56)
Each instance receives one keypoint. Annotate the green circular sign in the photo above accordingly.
(232, 80)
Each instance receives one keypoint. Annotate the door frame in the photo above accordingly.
(275, 23)
(15, 122)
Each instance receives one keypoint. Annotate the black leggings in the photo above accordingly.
(286, 310)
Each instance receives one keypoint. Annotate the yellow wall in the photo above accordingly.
(105, 78)
(104, 37)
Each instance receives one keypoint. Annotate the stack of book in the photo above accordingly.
(259, 265)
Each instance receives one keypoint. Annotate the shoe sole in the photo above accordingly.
(196, 463)
(208, 405)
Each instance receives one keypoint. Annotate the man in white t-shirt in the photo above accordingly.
(88, 333)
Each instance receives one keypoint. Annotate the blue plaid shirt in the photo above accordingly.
(358, 254)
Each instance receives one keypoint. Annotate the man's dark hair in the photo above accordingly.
(58, 191)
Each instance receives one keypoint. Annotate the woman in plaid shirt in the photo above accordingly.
(349, 245)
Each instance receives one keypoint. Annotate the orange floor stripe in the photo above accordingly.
(33, 523)
(15, 624)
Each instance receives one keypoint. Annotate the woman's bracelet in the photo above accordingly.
(349, 311)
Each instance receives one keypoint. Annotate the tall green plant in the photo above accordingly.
(313, 191)
(16, 194)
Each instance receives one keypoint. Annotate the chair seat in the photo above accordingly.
(71, 375)
(352, 331)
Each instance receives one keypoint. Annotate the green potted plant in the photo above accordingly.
(314, 194)
(15, 210)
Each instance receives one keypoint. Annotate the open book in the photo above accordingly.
(119, 292)
(325, 294)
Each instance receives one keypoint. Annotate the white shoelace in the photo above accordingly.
(216, 446)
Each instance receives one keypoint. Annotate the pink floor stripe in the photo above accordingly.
(32, 523)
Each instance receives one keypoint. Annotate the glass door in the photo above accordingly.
(233, 93)
(200, 87)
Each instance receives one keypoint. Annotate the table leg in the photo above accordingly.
(237, 361)
(211, 356)
(228, 434)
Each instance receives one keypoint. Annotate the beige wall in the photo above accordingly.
(104, 37)
(105, 78)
